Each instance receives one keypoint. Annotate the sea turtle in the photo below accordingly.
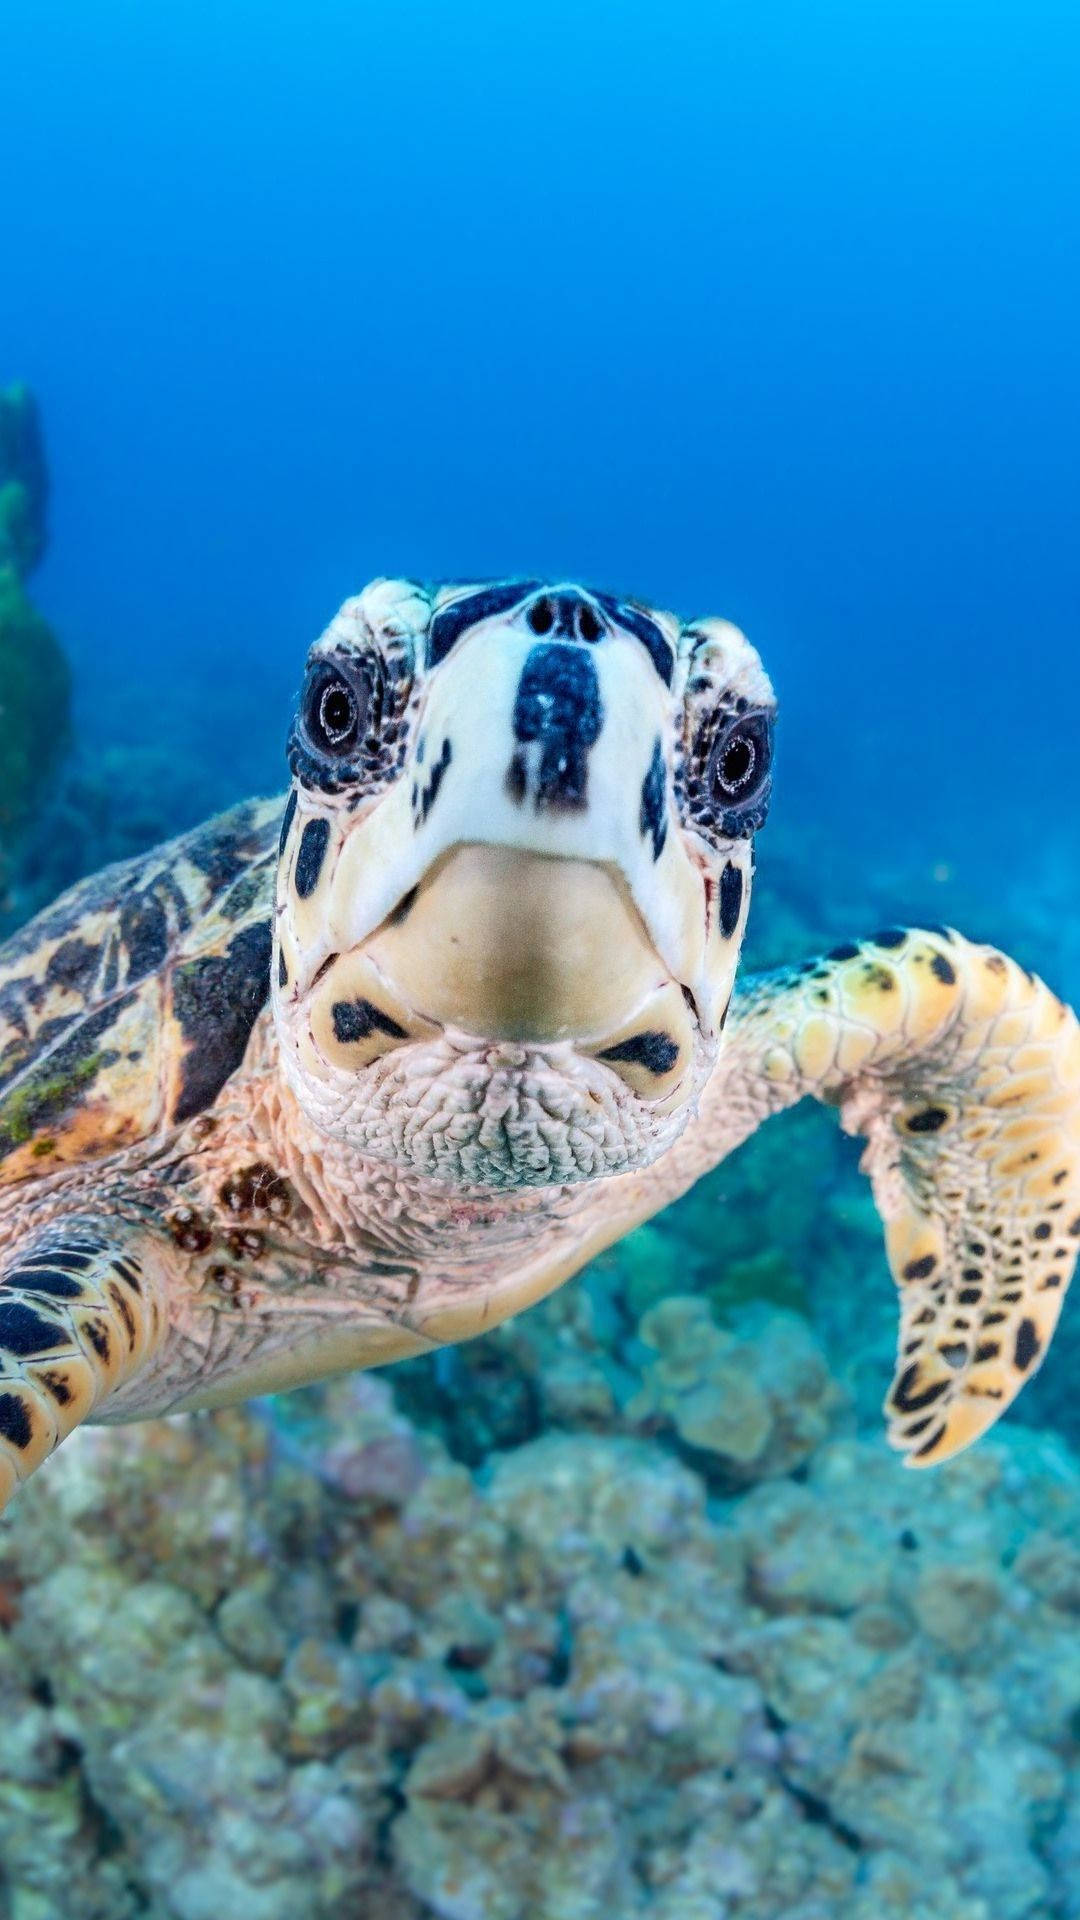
(342, 1077)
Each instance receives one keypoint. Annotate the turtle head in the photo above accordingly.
(515, 869)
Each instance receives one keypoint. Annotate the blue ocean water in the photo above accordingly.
(755, 309)
(743, 308)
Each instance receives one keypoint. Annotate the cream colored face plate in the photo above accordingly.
(465, 729)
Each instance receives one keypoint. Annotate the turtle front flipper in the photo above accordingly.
(81, 1311)
(963, 1073)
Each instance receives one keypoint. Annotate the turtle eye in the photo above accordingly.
(333, 712)
(739, 761)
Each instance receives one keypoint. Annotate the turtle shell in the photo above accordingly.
(125, 1007)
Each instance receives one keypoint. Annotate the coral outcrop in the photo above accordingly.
(297, 1659)
(23, 482)
(35, 684)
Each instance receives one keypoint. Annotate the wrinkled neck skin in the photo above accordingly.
(548, 1122)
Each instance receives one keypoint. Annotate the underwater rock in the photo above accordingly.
(565, 1686)
(35, 703)
(753, 1402)
(23, 482)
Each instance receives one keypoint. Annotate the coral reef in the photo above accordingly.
(35, 684)
(298, 1660)
(35, 697)
(23, 482)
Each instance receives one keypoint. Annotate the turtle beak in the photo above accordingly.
(557, 753)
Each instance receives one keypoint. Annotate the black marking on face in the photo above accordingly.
(15, 1424)
(1043, 1230)
(731, 892)
(653, 817)
(282, 969)
(359, 1019)
(24, 1331)
(452, 621)
(403, 909)
(290, 812)
(217, 1001)
(656, 1052)
(558, 705)
(1027, 1345)
(634, 620)
(309, 861)
(929, 1121)
(423, 800)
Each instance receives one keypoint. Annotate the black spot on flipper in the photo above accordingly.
(929, 1443)
(309, 861)
(15, 1424)
(558, 706)
(890, 937)
(969, 1296)
(23, 1331)
(930, 1120)
(1027, 1345)
(99, 1339)
(56, 1384)
(656, 1052)
(652, 819)
(988, 1350)
(731, 893)
(45, 1280)
(217, 1001)
(290, 811)
(922, 1268)
(359, 1019)
(848, 951)
(943, 969)
(122, 1308)
(908, 1402)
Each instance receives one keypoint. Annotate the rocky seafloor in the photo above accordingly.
(625, 1610)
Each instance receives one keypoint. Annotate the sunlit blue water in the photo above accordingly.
(758, 309)
(747, 308)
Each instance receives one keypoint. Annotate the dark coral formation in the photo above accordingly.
(35, 707)
(35, 684)
(23, 482)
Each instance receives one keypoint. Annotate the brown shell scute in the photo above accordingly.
(125, 1007)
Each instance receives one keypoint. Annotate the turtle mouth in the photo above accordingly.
(496, 945)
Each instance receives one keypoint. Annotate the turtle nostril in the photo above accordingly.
(541, 616)
(588, 623)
